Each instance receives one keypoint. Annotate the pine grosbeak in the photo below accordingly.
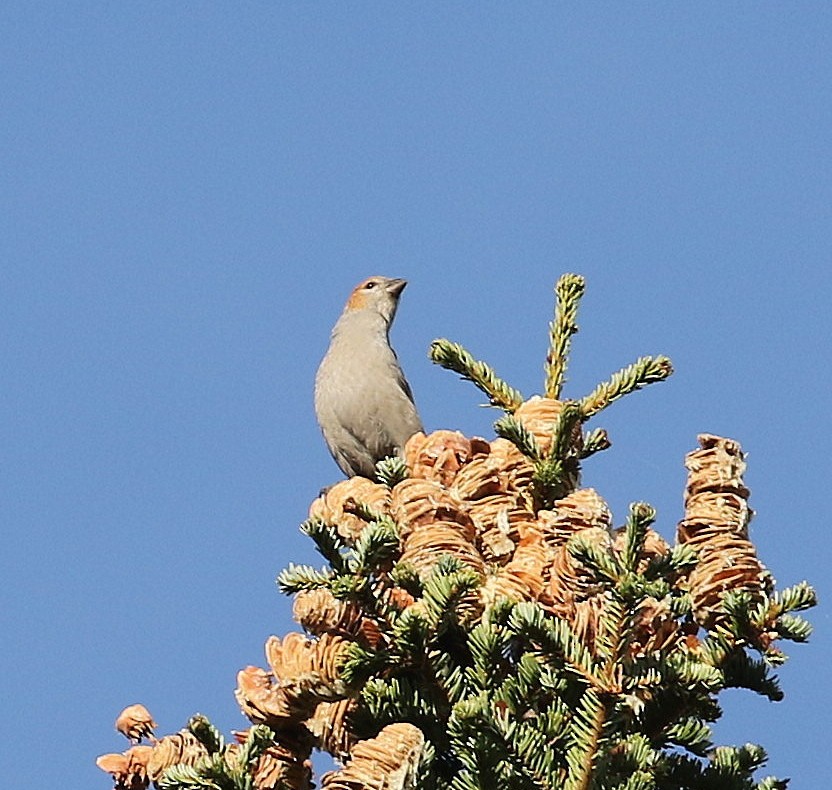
(362, 400)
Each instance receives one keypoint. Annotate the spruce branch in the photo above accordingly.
(614, 630)
(189, 777)
(444, 592)
(602, 563)
(729, 761)
(487, 647)
(793, 599)
(361, 509)
(691, 672)
(259, 738)
(680, 558)
(530, 747)
(391, 471)
(454, 357)
(641, 517)
(568, 293)
(564, 430)
(793, 628)
(557, 473)
(395, 699)
(587, 730)
(594, 442)
(407, 577)
(691, 733)
(742, 671)
(377, 543)
(360, 663)
(206, 733)
(454, 681)
(508, 427)
(644, 371)
(553, 480)
(352, 587)
(302, 577)
(411, 634)
(634, 757)
(328, 542)
(553, 637)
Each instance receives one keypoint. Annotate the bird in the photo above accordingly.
(363, 402)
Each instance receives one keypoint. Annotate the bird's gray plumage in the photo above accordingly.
(362, 400)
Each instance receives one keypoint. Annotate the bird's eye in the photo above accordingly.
(370, 285)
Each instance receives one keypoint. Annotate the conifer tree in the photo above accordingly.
(480, 623)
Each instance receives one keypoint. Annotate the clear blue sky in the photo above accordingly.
(190, 190)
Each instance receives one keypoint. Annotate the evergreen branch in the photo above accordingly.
(391, 471)
(636, 752)
(487, 645)
(683, 771)
(352, 587)
(377, 543)
(302, 577)
(797, 598)
(793, 599)
(679, 559)
(407, 577)
(187, 777)
(587, 728)
(681, 605)
(206, 733)
(603, 563)
(793, 628)
(737, 760)
(481, 750)
(737, 604)
(529, 751)
(521, 687)
(259, 738)
(635, 760)
(556, 475)
(642, 673)
(639, 780)
(553, 480)
(594, 442)
(328, 542)
(360, 663)
(742, 671)
(411, 634)
(454, 680)
(507, 427)
(568, 293)
(610, 640)
(564, 429)
(692, 734)
(691, 673)
(362, 510)
(394, 699)
(453, 356)
(443, 594)
(641, 517)
(554, 637)
(644, 371)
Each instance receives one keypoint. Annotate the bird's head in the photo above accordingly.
(376, 295)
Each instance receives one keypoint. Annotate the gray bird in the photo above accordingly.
(362, 400)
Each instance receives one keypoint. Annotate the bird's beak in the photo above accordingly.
(396, 286)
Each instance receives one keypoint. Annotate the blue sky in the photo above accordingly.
(190, 190)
